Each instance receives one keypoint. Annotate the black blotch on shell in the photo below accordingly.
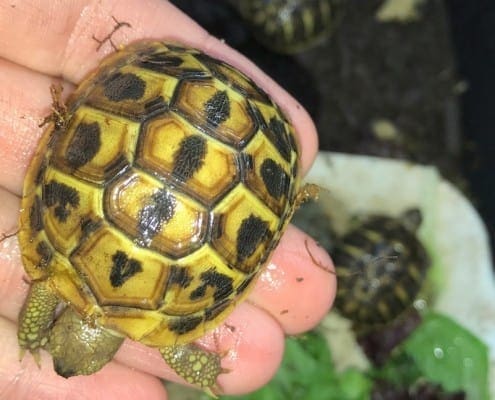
(280, 137)
(217, 108)
(123, 268)
(158, 211)
(61, 196)
(162, 62)
(45, 253)
(171, 64)
(179, 276)
(84, 145)
(222, 285)
(252, 232)
(120, 87)
(182, 325)
(275, 179)
(35, 215)
(189, 158)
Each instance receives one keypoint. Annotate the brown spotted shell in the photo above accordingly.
(153, 206)
(290, 26)
(381, 266)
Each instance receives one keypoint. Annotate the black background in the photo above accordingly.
(473, 33)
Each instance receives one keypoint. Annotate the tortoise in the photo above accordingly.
(154, 198)
(289, 26)
(381, 266)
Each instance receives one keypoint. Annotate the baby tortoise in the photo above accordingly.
(381, 266)
(155, 196)
(290, 26)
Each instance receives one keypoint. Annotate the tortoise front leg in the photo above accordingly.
(36, 318)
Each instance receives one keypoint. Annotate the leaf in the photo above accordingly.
(307, 372)
(449, 354)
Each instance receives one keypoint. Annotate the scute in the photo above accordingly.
(152, 209)
(162, 149)
(83, 151)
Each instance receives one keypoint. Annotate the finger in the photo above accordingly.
(9, 206)
(252, 343)
(25, 381)
(13, 289)
(297, 287)
(68, 49)
(62, 41)
(24, 101)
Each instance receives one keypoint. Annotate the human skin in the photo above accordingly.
(42, 43)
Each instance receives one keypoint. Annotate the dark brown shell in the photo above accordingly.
(381, 266)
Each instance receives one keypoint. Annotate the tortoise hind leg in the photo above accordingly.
(79, 348)
(36, 318)
(195, 365)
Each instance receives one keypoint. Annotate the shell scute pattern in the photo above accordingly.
(151, 210)
(290, 26)
(381, 265)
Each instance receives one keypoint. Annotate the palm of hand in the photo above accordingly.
(281, 303)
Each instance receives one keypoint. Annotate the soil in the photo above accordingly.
(392, 89)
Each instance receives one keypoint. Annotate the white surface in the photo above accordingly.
(452, 231)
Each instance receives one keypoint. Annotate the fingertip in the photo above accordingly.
(298, 286)
(253, 343)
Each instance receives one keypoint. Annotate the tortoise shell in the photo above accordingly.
(153, 202)
(290, 26)
(380, 266)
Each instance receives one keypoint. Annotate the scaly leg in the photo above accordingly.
(197, 366)
(36, 318)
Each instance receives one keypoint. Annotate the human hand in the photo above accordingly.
(40, 43)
